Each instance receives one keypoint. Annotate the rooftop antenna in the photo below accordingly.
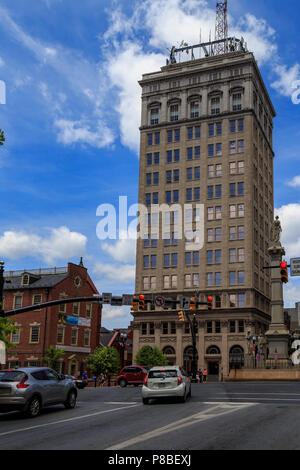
(221, 31)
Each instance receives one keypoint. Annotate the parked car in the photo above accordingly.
(166, 382)
(132, 375)
(80, 383)
(29, 389)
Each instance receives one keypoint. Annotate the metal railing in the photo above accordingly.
(263, 363)
(36, 271)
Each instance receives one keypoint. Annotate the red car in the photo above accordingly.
(132, 375)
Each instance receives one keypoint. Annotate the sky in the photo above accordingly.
(72, 112)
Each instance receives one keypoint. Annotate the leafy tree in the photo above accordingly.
(150, 357)
(104, 360)
(53, 357)
(2, 138)
(6, 328)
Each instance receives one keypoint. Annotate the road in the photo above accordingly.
(219, 416)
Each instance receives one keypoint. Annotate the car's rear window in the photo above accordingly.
(162, 374)
(11, 375)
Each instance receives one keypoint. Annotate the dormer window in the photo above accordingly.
(25, 280)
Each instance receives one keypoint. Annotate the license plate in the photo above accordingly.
(161, 385)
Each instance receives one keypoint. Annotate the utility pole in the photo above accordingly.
(1, 287)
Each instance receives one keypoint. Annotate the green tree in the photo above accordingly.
(104, 360)
(150, 357)
(53, 357)
(2, 138)
(6, 328)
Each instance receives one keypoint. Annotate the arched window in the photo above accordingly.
(213, 350)
(236, 357)
(168, 350)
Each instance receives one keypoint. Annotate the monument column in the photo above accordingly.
(278, 334)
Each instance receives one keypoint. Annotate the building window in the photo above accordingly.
(34, 334)
(187, 280)
(154, 116)
(195, 109)
(149, 139)
(165, 327)
(15, 337)
(215, 105)
(166, 282)
(76, 308)
(241, 326)
(62, 308)
(209, 327)
(174, 112)
(232, 326)
(87, 338)
(25, 280)
(88, 310)
(232, 147)
(236, 101)
(18, 301)
(60, 335)
(74, 336)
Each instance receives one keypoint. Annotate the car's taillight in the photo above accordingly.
(146, 381)
(179, 380)
(23, 383)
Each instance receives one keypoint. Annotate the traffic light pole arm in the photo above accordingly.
(116, 300)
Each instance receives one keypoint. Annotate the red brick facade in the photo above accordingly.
(43, 326)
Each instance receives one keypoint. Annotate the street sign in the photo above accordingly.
(159, 301)
(295, 267)
(127, 299)
(185, 303)
(106, 298)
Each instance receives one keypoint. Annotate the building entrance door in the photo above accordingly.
(213, 368)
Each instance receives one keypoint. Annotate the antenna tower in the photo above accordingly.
(221, 31)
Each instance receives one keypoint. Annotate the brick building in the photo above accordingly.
(40, 329)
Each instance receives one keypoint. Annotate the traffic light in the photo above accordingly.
(181, 315)
(209, 303)
(284, 272)
(193, 305)
(61, 318)
(141, 302)
(135, 302)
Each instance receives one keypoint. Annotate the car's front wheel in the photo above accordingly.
(145, 401)
(122, 383)
(71, 400)
(33, 408)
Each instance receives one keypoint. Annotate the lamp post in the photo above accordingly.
(122, 342)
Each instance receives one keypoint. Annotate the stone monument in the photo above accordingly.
(278, 334)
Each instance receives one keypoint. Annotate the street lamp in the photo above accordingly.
(122, 343)
(1, 287)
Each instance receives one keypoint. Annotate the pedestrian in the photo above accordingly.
(204, 375)
(197, 376)
(101, 380)
(200, 375)
(221, 374)
(85, 378)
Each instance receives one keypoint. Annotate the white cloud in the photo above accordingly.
(124, 273)
(122, 250)
(110, 312)
(62, 244)
(291, 293)
(71, 132)
(290, 221)
(295, 182)
(285, 85)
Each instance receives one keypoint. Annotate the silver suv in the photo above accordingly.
(29, 389)
(167, 381)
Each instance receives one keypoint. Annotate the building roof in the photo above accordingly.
(36, 282)
(105, 336)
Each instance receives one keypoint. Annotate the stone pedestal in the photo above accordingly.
(278, 334)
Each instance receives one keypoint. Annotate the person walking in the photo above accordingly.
(101, 380)
(200, 375)
(204, 375)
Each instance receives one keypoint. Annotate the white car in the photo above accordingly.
(165, 382)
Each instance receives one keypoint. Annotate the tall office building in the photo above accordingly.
(206, 151)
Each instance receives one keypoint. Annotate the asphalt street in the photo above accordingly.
(218, 416)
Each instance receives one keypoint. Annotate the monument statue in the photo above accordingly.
(276, 230)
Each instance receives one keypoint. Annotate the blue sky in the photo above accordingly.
(72, 114)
